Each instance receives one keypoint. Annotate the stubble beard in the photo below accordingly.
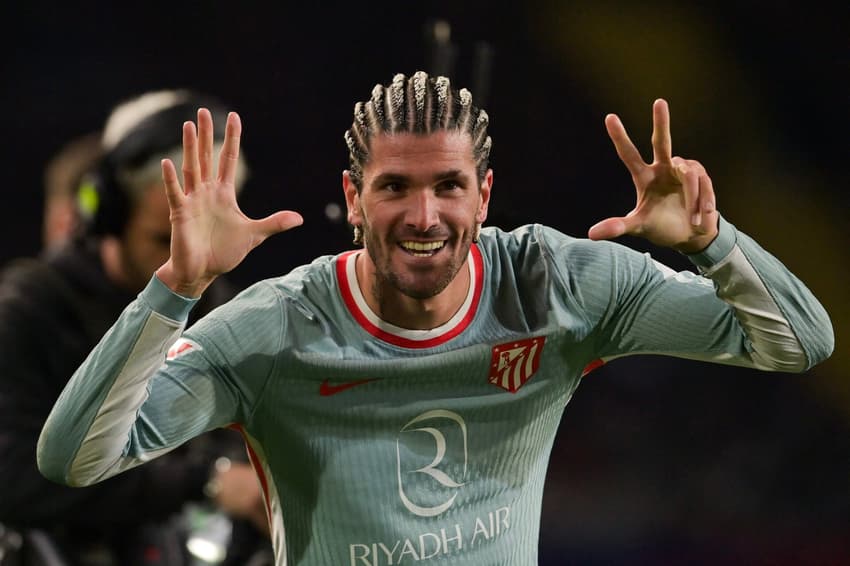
(386, 278)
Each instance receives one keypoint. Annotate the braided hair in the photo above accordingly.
(419, 104)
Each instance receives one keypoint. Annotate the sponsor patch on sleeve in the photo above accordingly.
(181, 347)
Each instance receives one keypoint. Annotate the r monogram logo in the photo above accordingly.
(456, 428)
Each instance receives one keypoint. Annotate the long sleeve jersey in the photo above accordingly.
(380, 445)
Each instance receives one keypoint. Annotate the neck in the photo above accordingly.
(403, 311)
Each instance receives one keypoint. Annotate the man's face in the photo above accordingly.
(147, 239)
(418, 208)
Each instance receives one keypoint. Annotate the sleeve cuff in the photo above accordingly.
(720, 248)
(166, 302)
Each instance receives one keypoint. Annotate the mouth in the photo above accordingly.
(422, 249)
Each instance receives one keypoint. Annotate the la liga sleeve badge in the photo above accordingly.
(181, 347)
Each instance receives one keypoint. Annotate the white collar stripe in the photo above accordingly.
(373, 324)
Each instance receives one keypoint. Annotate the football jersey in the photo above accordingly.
(379, 445)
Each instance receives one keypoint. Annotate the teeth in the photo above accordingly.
(422, 246)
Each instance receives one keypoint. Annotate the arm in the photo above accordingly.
(145, 390)
(122, 408)
(745, 309)
(768, 319)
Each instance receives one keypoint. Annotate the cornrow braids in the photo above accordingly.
(419, 104)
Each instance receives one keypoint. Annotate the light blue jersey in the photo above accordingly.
(377, 445)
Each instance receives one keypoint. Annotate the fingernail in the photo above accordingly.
(696, 219)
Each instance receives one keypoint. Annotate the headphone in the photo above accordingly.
(104, 204)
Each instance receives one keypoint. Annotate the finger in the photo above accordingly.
(662, 145)
(229, 156)
(629, 154)
(688, 173)
(205, 144)
(190, 166)
(707, 203)
(276, 223)
(173, 191)
(613, 227)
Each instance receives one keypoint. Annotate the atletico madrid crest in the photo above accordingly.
(513, 363)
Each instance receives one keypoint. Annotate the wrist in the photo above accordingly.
(699, 242)
(169, 278)
(696, 245)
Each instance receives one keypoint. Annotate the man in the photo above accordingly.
(54, 310)
(400, 401)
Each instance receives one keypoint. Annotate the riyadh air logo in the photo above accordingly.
(180, 347)
(513, 363)
(432, 458)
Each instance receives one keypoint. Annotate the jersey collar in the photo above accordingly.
(371, 323)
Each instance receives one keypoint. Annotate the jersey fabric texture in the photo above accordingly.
(379, 445)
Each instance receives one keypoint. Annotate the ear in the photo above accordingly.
(484, 196)
(352, 199)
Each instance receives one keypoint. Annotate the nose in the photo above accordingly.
(423, 210)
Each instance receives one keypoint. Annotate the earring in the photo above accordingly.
(476, 234)
(358, 236)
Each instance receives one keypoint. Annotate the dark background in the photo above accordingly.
(658, 460)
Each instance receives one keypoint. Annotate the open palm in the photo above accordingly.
(209, 233)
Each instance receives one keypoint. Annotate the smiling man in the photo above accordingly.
(400, 401)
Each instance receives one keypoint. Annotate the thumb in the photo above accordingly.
(613, 227)
(278, 222)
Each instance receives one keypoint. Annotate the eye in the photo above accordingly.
(392, 186)
(449, 185)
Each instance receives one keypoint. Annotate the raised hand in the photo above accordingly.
(209, 233)
(675, 198)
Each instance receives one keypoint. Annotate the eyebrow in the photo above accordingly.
(391, 177)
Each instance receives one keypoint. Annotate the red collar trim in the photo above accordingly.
(345, 287)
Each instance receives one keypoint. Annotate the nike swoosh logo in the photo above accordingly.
(326, 389)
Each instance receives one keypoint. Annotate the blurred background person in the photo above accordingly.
(56, 307)
(63, 175)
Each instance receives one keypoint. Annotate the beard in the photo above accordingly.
(416, 286)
